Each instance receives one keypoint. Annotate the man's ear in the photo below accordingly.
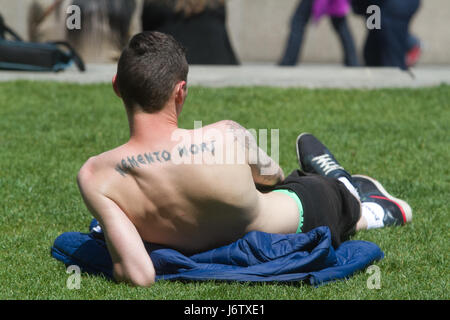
(115, 87)
(181, 92)
(180, 95)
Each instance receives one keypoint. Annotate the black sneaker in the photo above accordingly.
(314, 157)
(397, 211)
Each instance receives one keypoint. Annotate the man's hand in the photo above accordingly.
(266, 183)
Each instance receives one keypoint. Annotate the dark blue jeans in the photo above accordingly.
(298, 26)
(388, 46)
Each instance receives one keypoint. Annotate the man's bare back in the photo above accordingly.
(176, 195)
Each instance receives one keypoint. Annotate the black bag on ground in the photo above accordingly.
(16, 54)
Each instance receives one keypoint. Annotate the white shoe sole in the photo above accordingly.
(296, 148)
(403, 204)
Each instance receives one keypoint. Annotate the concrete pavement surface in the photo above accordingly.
(306, 76)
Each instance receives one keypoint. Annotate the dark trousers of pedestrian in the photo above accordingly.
(388, 45)
(299, 23)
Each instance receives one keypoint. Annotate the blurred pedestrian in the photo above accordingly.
(337, 10)
(105, 28)
(389, 45)
(199, 25)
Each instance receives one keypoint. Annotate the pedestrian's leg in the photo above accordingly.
(395, 19)
(348, 45)
(372, 49)
(298, 25)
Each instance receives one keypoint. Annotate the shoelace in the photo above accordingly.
(326, 163)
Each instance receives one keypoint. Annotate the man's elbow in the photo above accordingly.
(143, 281)
(137, 279)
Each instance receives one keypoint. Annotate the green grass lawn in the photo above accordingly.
(399, 136)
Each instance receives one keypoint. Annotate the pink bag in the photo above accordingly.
(334, 8)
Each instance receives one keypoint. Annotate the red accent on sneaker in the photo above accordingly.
(413, 56)
(401, 209)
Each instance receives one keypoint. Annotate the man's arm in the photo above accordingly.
(131, 262)
(265, 170)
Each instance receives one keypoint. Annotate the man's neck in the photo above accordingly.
(147, 127)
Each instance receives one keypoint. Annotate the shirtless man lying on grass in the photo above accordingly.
(192, 195)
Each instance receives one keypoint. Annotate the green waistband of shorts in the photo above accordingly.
(294, 196)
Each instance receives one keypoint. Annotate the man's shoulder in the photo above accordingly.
(87, 171)
(91, 172)
(225, 126)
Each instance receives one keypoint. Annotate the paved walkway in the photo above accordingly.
(308, 76)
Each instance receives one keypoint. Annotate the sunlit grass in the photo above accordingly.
(399, 136)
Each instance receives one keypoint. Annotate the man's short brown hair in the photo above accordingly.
(148, 70)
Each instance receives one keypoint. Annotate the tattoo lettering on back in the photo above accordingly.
(149, 158)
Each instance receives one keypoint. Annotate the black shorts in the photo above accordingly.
(326, 202)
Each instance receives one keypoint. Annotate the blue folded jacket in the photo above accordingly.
(257, 256)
